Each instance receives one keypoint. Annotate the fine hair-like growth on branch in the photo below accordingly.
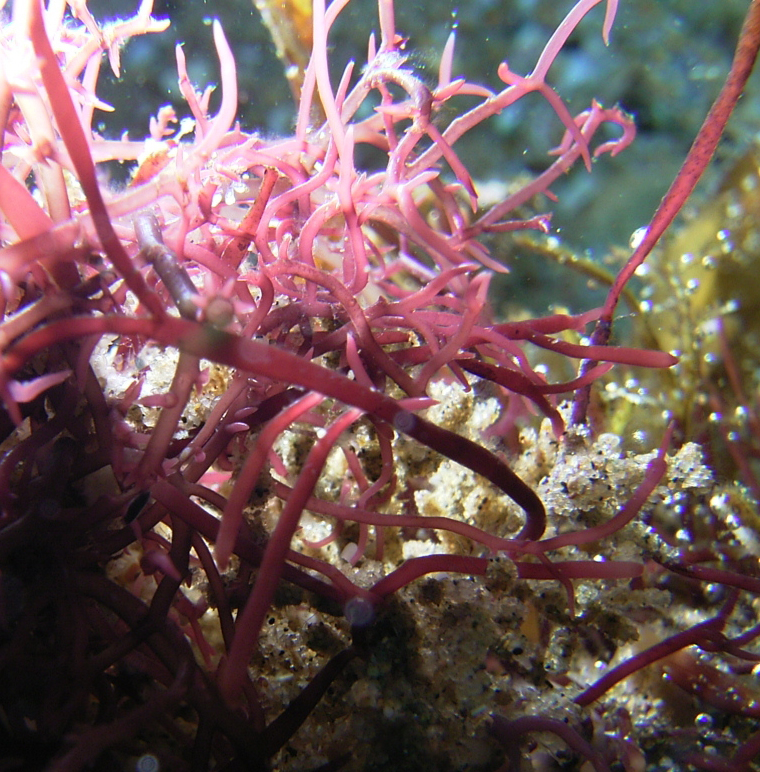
(306, 314)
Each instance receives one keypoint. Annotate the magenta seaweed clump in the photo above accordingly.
(219, 386)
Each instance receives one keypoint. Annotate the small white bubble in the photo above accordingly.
(404, 421)
(734, 210)
(637, 237)
(640, 436)
(643, 270)
(731, 306)
(147, 763)
(359, 612)
(713, 592)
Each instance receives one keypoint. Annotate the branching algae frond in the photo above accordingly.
(279, 491)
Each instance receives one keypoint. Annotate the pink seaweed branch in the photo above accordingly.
(330, 298)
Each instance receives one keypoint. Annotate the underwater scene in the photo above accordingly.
(379, 386)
